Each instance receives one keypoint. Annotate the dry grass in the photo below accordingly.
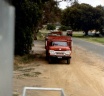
(22, 60)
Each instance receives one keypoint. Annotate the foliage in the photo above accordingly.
(100, 21)
(83, 17)
(64, 28)
(51, 12)
(51, 27)
(28, 15)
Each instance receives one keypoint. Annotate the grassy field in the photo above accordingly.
(88, 38)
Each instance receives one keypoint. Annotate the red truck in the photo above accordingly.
(55, 33)
(59, 47)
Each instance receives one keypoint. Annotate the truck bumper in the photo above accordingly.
(52, 58)
(60, 57)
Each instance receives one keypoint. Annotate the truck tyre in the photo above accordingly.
(68, 61)
(49, 60)
(46, 55)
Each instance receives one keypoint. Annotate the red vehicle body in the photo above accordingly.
(59, 47)
(55, 33)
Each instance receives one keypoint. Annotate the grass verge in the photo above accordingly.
(89, 38)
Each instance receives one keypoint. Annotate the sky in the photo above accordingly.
(93, 3)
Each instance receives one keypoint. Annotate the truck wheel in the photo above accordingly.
(68, 61)
(46, 55)
(49, 60)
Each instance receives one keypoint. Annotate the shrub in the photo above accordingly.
(64, 28)
(51, 27)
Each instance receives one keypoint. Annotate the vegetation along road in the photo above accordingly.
(94, 47)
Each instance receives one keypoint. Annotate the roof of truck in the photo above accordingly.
(59, 38)
(55, 33)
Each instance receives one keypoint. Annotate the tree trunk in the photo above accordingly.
(86, 32)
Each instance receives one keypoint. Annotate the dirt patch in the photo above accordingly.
(83, 77)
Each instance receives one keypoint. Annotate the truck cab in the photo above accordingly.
(58, 47)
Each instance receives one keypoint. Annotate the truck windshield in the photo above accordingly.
(59, 43)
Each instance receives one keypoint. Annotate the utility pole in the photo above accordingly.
(6, 47)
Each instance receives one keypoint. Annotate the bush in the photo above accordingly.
(28, 16)
(64, 28)
(51, 27)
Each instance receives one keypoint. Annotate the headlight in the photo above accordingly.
(51, 52)
(67, 52)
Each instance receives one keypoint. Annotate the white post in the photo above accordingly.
(6, 48)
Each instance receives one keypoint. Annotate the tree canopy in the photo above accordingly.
(28, 15)
(51, 12)
(83, 17)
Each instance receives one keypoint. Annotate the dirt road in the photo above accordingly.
(83, 77)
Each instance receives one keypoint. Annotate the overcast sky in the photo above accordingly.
(93, 3)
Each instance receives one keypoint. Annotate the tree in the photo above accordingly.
(99, 15)
(28, 14)
(51, 12)
(51, 27)
(82, 17)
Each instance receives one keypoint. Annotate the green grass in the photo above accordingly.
(89, 38)
(78, 35)
(41, 34)
(44, 31)
(96, 39)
